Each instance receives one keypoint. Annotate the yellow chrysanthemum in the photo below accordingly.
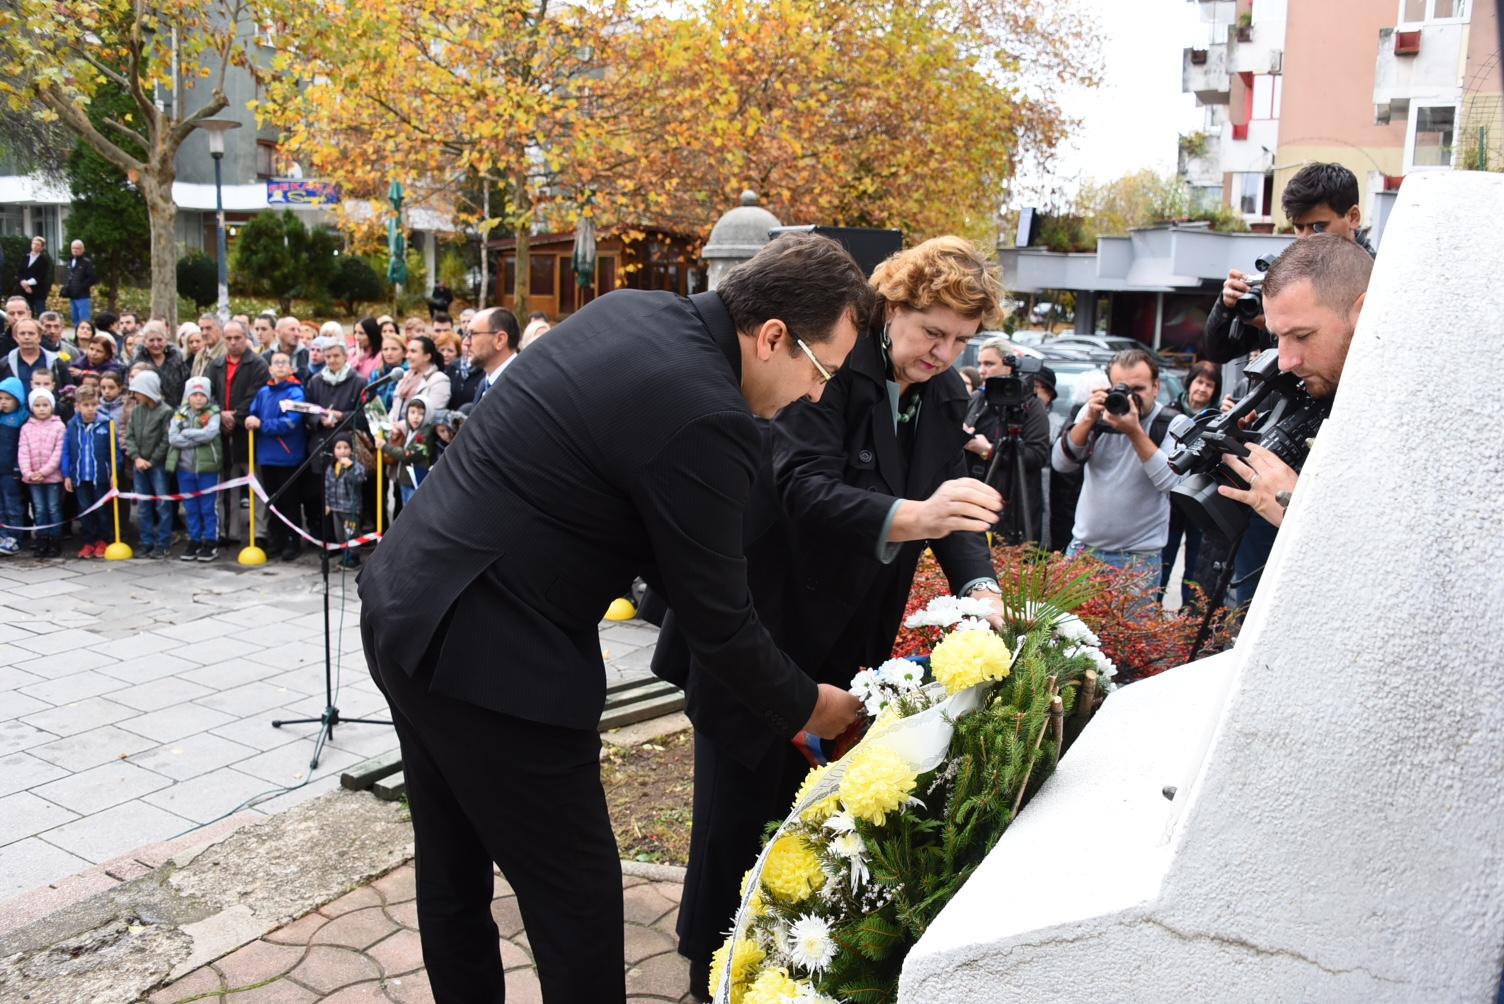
(754, 902)
(792, 870)
(964, 659)
(821, 810)
(876, 782)
(745, 958)
(772, 986)
(810, 780)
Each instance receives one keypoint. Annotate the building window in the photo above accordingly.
(1267, 89)
(1421, 11)
(1434, 129)
(1248, 188)
(266, 159)
(540, 273)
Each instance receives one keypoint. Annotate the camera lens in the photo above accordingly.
(1117, 400)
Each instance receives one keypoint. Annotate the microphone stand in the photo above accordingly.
(331, 716)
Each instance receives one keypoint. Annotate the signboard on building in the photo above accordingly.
(298, 192)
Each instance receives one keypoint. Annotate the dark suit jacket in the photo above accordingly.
(40, 270)
(835, 474)
(462, 386)
(620, 443)
(250, 377)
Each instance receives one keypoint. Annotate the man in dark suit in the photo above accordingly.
(626, 442)
(35, 277)
(236, 378)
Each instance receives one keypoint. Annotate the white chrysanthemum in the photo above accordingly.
(973, 606)
(1072, 628)
(848, 845)
(809, 995)
(932, 618)
(841, 822)
(901, 674)
(809, 943)
(867, 688)
(972, 624)
(1104, 665)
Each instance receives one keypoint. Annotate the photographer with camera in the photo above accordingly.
(1123, 517)
(989, 427)
(1321, 198)
(1312, 298)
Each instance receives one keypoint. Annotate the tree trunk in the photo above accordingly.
(485, 257)
(162, 214)
(523, 231)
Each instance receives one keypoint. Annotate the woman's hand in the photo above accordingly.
(962, 504)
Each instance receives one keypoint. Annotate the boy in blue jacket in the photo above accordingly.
(281, 446)
(86, 468)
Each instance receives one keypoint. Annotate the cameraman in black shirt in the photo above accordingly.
(1321, 198)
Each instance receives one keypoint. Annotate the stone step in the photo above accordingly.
(641, 704)
(391, 788)
(366, 773)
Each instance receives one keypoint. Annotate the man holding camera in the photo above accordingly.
(1312, 298)
(1123, 517)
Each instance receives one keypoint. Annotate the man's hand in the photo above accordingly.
(253, 422)
(1096, 407)
(142, 464)
(835, 709)
(995, 602)
(978, 444)
(227, 421)
(1127, 423)
(1266, 476)
(1235, 286)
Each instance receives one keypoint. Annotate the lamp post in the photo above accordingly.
(216, 128)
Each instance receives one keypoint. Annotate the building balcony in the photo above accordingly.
(1422, 63)
(1249, 146)
(1203, 72)
(1260, 51)
(1200, 162)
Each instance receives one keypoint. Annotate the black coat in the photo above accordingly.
(343, 397)
(836, 471)
(560, 489)
(81, 278)
(40, 270)
(250, 376)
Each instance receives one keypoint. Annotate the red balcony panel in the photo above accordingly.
(1407, 43)
(1240, 130)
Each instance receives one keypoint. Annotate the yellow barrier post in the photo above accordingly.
(251, 554)
(380, 483)
(120, 550)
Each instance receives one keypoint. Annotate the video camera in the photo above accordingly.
(1283, 428)
(1251, 303)
(1013, 391)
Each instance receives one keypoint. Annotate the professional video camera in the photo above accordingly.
(1251, 303)
(1287, 417)
(1013, 391)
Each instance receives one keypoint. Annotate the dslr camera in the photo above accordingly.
(1013, 391)
(1287, 418)
(1251, 303)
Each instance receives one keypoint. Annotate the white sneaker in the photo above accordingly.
(8, 545)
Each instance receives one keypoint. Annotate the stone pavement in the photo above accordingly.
(364, 946)
(136, 700)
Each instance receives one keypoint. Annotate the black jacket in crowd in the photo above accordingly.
(342, 397)
(463, 383)
(1034, 446)
(81, 278)
(250, 376)
(40, 270)
(649, 472)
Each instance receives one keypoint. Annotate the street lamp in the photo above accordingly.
(216, 128)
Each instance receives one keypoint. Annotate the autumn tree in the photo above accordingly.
(858, 112)
(472, 104)
(59, 55)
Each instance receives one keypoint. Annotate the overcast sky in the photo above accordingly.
(1132, 120)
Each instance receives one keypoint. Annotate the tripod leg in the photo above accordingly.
(1021, 491)
(1224, 580)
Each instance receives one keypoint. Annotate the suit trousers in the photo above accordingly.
(485, 787)
(732, 806)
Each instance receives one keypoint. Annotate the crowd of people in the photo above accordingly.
(183, 408)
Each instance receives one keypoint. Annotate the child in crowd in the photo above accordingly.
(281, 446)
(40, 456)
(86, 468)
(62, 400)
(412, 456)
(146, 446)
(195, 453)
(446, 425)
(342, 483)
(13, 416)
(112, 400)
(130, 399)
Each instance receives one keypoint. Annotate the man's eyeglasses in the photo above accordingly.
(825, 374)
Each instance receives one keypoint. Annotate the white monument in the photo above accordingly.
(1337, 832)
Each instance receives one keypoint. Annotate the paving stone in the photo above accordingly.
(80, 716)
(644, 905)
(359, 929)
(402, 953)
(14, 705)
(361, 898)
(305, 680)
(11, 632)
(326, 968)
(175, 722)
(291, 655)
(249, 699)
(201, 984)
(398, 886)
(62, 641)
(138, 645)
(229, 674)
(300, 931)
(91, 749)
(14, 678)
(411, 989)
(645, 942)
(20, 771)
(668, 972)
(38, 572)
(214, 650)
(202, 629)
(257, 962)
(256, 730)
(147, 668)
(514, 956)
(32, 592)
(115, 831)
(209, 796)
(289, 764)
(405, 914)
(507, 916)
(89, 791)
(159, 693)
(359, 994)
(33, 862)
(189, 757)
(23, 814)
(18, 735)
(283, 991)
(73, 687)
(523, 987)
(51, 668)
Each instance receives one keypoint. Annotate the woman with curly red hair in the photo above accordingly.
(862, 480)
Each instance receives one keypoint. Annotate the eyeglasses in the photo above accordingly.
(825, 374)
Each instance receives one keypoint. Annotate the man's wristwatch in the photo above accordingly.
(1283, 498)
(989, 586)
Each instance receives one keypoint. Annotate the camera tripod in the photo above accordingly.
(1018, 522)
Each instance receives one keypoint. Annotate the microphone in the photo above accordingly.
(394, 374)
